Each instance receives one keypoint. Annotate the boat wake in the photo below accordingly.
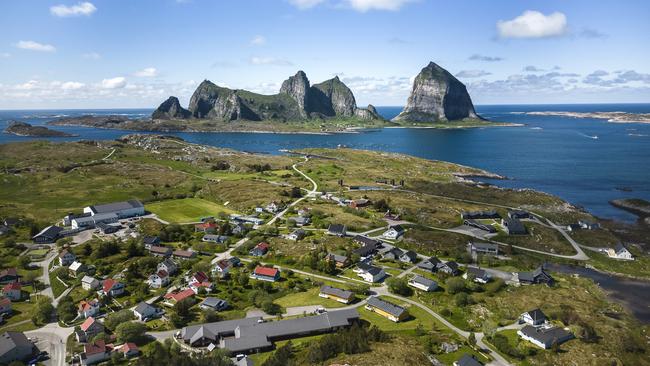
(536, 128)
(594, 137)
(637, 134)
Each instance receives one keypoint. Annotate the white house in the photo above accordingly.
(222, 268)
(159, 279)
(76, 268)
(423, 283)
(544, 337)
(123, 209)
(66, 258)
(533, 317)
(112, 287)
(369, 273)
(620, 252)
(478, 275)
(89, 283)
(88, 308)
(394, 232)
(145, 311)
(168, 266)
(297, 235)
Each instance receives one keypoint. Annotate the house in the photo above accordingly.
(535, 277)
(11, 221)
(370, 273)
(238, 228)
(197, 286)
(150, 241)
(588, 225)
(533, 317)
(573, 227)
(485, 227)
(206, 227)
(66, 258)
(48, 235)
(123, 209)
(450, 267)
(297, 235)
(160, 251)
(113, 288)
(9, 275)
(168, 266)
(484, 248)
(89, 329)
(479, 215)
(339, 260)
(199, 277)
(360, 203)
(174, 297)
(266, 274)
(336, 294)
(234, 261)
(88, 308)
(222, 268)
(386, 309)
(214, 304)
(513, 226)
(95, 353)
(337, 230)
(76, 268)
(519, 214)
(260, 249)
(12, 291)
(159, 279)
(4, 230)
(144, 311)
(477, 275)
(620, 252)
(429, 264)
(300, 220)
(15, 346)
(409, 257)
(129, 350)
(467, 360)
(211, 238)
(394, 232)
(368, 246)
(89, 283)
(183, 254)
(5, 305)
(392, 254)
(273, 207)
(108, 228)
(545, 337)
(88, 221)
(423, 283)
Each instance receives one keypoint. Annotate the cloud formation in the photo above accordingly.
(35, 46)
(477, 57)
(531, 68)
(256, 60)
(305, 4)
(533, 24)
(472, 73)
(366, 5)
(147, 72)
(258, 40)
(80, 9)
(114, 83)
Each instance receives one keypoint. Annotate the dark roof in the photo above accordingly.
(411, 255)
(546, 335)
(395, 251)
(485, 246)
(151, 240)
(366, 240)
(451, 265)
(386, 306)
(214, 302)
(538, 275)
(424, 281)
(468, 360)
(369, 268)
(477, 272)
(620, 248)
(144, 307)
(116, 206)
(344, 294)
(537, 314)
(50, 232)
(398, 228)
(336, 228)
(12, 340)
(514, 225)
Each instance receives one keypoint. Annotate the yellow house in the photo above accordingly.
(387, 309)
(336, 294)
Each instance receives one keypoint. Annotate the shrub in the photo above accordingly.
(455, 285)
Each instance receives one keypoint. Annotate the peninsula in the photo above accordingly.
(26, 129)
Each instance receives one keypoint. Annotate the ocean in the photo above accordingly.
(587, 162)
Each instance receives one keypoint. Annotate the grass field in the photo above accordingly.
(186, 209)
(309, 297)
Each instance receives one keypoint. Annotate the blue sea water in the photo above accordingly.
(558, 155)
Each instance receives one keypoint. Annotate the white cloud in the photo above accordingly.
(472, 73)
(477, 57)
(258, 40)
(91, 56)
(533, 24)
(255, 60)
(72, 85)
(305, 4)
(5, 54)
(365, 5)
(35, 46)
(114, 83)
(147, 72)
(28, 85)
(83, 8)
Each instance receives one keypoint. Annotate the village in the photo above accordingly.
(116, 277)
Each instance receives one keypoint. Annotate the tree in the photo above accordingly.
(209, 316)
(24, 261)
(455, 285)
(113, 320)
(130, 332)
(296, 192)
(462, 299)
(66, 310)
(43, 311)
(182, 308)
(399, 286)
(471, 339)
(242, 279)
(281, 357)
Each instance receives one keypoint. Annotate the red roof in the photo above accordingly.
(263, 245)
(183, 253)
(206, 225)
(200, 277)
(9, 272)
(130, 346)
(223, 264)
(12, 286)
(86, 305)
(162, 273)
(109, 283)
(178, 296)
(4, 301)
(93, 348)
(86, 324)
(266, 271)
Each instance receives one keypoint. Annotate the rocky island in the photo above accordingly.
(26, 129)
(637, 206)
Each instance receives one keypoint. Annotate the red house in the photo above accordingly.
(266, 274)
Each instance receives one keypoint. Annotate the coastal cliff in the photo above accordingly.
(437, 96)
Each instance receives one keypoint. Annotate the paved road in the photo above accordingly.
(52, 338)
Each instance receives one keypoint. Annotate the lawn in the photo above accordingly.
(309, 297)
(419, 317)
(186, 209)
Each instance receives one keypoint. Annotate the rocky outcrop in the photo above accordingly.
(26, 129)
(367, 113)
(171, 109)
(332, 98)
(437, 96)
(297, 87)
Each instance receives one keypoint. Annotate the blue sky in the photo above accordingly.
(127, 53)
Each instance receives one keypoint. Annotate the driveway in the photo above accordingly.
(51, 338)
